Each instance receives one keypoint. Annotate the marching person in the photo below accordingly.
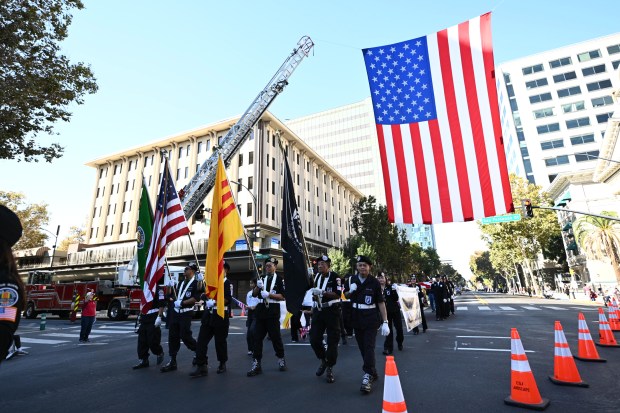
(149, 332)
(270, 290)
(346, 310)
(395, 322)
(325, 317)
(416, 330)
(368, 315)
(89, 314)
(212, 325)
(188, 293)
(251, 302)
(11, 285)
(343, 333)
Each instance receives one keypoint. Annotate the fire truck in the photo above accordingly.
(119, 297)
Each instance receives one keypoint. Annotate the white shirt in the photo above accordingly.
(251, 301)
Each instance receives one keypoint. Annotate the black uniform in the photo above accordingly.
(267, 314)
(149, 336)
(11, 303)
(212, 325)
(416, 330)
(366, 318)
(181, 323)
(439, 291)
(395, 321)
(346, 310)
(327, 318)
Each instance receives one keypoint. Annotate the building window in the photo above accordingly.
(589, 71)
(536, 83)
(558, 160)
(532, 69)
(273, 163)
(115, 169)
(267, 211)
(267, 160)
(603, 84)
(602, 101)
(124, 205)
(251, 158)
(569, 91)
(121, 230)
(186, 172)
(577, 123)
(126, 186)
(603, 117)
(199, 147)
(273, 212)
(308, 206)
(615, 64)
(552, 127)
(586, 156)
(208, 145)
(558, 143)
(98, 193)
(543, 97)
(180, 152)
(593, 54)
(564, 61)
(613, 49)
(240, 159)
(544, 113)
(318, 211)
(573, 107)
(552, 177)
(297, 156)
(178, 174)
(250, 182)
(563, 77)
(273, 187)
(581, 139)
(249, 209)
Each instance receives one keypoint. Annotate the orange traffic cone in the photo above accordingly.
(587, 349)
(524, 391)
(393, 399)
(243, 311)
(612, 311)
(606, 337)
(564, 368)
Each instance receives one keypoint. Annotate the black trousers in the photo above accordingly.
(6, 338)
(180, 329)
(366, 339)
(395, 322)
(250, 323)
(209, 329)
(424, 325)
(149, 336)
(328, 319)
(263, 326)
(347, 309)
(295, 325)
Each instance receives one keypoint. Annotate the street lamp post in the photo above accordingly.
(255, 213)
(55, 243)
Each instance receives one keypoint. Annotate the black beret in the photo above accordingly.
(226, 266)
(272, 260)
(324, 258)
(192, 266)
(362, 258)
(10, 227)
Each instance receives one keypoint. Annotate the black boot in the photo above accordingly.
(170, 366)
(330, 375)
(141, 364)
(221, 368)
(201, 371)
(160, 358)
(366, 384)
(321, 369)
(256, 369)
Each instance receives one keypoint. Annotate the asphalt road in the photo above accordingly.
(460, 365)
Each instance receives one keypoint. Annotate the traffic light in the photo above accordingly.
(200, 213)
(526, 207)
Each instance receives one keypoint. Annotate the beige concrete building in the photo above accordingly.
(324, 196)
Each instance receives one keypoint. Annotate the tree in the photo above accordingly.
(32, 217)
(76, 235)
(367, 250)
(481, 266)
(431, 263)
(340, 263)
(599, 238)
(37, 82)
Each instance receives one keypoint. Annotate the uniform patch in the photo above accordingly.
(368, 299)
(188, 294)
(8, 297)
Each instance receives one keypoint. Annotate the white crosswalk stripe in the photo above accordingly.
(484, 308)
(508, 308)
(41, 341)
(555, 308)
(65, 335)
(462, 308)
(527, 307)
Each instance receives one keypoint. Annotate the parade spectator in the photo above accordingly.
(89, 313)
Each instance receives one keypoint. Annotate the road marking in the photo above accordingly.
(484, 308)
(481, 337)
(527, 307)
(297, 344)
(508, 308)
(119, 327)
(462, 308)
(70, 335)
(489, 349)
(115, 331)
(555, 308)
(482, 301)
(41, 341)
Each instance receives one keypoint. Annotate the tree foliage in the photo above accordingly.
(599, 238)
(32, 217)
(37, 82)
(77, 235)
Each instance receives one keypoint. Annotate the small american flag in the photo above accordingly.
(437, 119)
(170, 224)
(8, 313)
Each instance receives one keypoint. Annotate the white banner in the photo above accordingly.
(410, 306)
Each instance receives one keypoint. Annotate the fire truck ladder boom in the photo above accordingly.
(199, 186)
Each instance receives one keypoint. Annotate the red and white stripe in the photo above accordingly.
(453, 168)
(561, 345)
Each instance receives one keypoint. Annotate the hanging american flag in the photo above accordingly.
(169, 225)
(437, 119)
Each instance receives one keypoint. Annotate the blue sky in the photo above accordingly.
(165, 67)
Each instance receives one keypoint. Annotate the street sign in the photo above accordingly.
(261, 256)
(501, 218)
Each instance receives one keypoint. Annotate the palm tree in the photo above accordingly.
(599, 238)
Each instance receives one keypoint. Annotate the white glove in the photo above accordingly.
(264, 294)
(385, 329)
(394, 287)
(177, 304)
(259, 283)
(157, 321)
(310, 271)
(210, 303)
(353, 288)
(445, 301)
(317, 292)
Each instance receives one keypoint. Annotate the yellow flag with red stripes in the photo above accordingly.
(226, 228)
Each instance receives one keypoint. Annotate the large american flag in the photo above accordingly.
(169, 225)
(437, 119)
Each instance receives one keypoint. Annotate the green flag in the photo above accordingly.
(144, 232)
